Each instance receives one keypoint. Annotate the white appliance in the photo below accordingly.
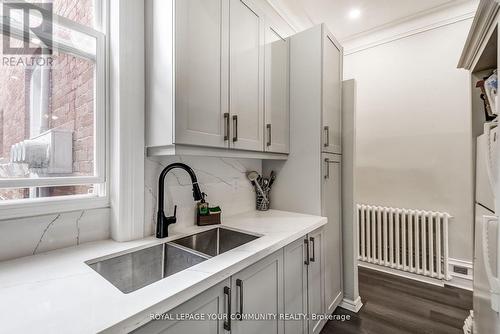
(486, 295)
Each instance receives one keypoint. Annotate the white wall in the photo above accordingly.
(414, 147)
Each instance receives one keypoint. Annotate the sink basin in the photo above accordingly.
(215, 241)
(136, 269)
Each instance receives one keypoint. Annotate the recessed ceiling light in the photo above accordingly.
(354, 13)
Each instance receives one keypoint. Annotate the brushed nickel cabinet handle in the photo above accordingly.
(269, 134)
(226, 126)
(239, 284)
(235, 128)
(313, 245)
(227, 322)
(306, 243)
(327, 134)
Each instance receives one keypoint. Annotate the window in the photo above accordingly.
(52, 104)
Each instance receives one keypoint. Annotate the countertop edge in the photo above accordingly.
(171, 302)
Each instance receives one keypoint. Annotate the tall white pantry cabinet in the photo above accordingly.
(310, 180)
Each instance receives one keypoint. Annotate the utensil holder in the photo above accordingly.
(261, 203)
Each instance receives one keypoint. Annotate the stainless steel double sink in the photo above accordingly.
(139, 267)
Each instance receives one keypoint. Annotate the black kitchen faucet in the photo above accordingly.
(163, 222)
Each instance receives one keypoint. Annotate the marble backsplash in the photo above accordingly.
(32, 235)
(222, 179)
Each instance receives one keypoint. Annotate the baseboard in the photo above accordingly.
(415, 277)
(336, 302)
(468, 323)
(459, 280)
(351, 305)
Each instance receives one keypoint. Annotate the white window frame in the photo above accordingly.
(100, 198)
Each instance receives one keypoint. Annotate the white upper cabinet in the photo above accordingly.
(277, 89)
(205, 79)
(332, 90)
(246, 75)
(201, 40)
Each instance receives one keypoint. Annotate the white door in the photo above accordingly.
(201, 75)
(212, 301)
(246, 75)
(295, 285)
(332, 95)
(331, 208)
(258, 290)
(316, 280)
(277, 111)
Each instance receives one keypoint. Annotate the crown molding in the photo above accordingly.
(280, 10)
(424, 21)
(401, 20)
(486, 15)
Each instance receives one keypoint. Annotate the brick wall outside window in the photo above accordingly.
(71, 103)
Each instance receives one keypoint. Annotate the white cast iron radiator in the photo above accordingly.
(414, 241)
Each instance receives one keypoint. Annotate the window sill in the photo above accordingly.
(47, 206)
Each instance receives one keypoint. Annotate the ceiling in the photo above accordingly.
(335, 13)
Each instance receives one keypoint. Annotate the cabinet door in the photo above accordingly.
(316, 280)
(332, 93)
(246, 73)
(295, 285)
(201, 75)
(258, 290)
(209, 302)
(331, 208)
(276, 108)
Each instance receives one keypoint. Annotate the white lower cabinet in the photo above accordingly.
(316, 280)
(211, 301)
(305, 283)
(333, 231)
(295, 285)
(258, 291)
(290, 281)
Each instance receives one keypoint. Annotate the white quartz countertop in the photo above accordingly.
(56, 292)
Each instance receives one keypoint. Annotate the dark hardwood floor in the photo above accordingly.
(395, 305)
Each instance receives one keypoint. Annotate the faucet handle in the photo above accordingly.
(172, 219)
